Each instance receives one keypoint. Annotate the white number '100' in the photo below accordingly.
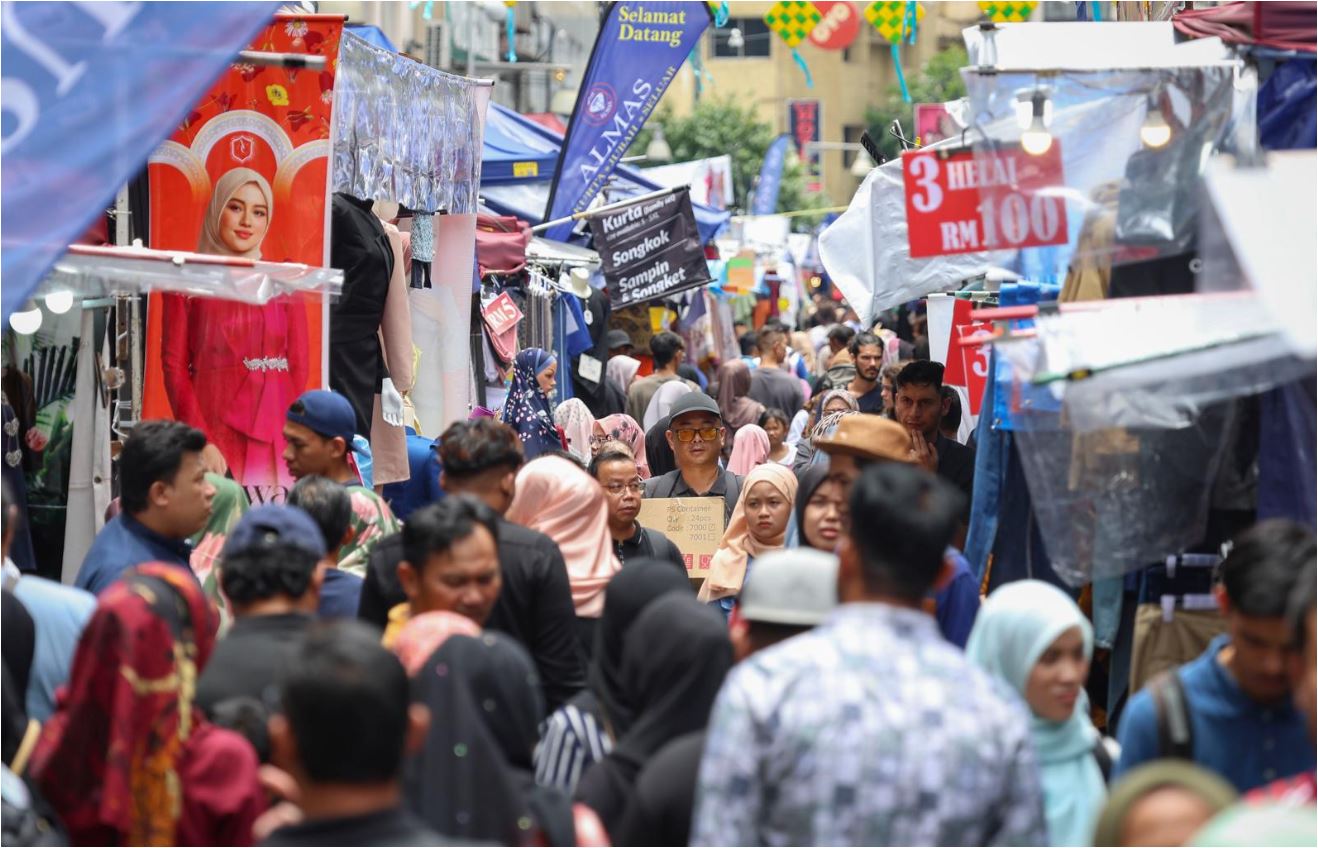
(1009, 217)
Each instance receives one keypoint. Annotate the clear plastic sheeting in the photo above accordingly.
(1257, 233)
(1148, 362)
(92, 272)
(1088, 45)
(1111, 501)
(405, 131)
(1126, 200)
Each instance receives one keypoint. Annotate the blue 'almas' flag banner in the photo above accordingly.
(637, 53)
(89, 90)
(765, 201)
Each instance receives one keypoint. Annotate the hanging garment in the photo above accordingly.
(359, 248)
(89, 464)
(389, 442)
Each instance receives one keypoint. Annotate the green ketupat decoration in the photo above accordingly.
(793, 20)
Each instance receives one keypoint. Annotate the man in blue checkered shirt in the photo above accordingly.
(872, 729)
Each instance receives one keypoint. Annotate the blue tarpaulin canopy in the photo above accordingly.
(518, 162)
(373, 35)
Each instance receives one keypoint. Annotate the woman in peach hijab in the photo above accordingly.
(758, 525)
(558, 498)
(231, 369)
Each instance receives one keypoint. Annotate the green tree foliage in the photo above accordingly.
(938, 81)
(719, 126)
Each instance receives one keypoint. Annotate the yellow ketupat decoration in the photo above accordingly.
(887, 17)
(793, 20)
(1006, 13)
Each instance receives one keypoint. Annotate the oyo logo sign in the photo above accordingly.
(838, 27)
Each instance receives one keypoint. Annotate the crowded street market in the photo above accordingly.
(508, 422)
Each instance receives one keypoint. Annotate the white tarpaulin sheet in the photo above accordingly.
(1090, 45)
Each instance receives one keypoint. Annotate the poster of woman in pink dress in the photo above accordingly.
(232, 369)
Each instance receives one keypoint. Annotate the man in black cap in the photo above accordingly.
(619, 343)
(318, 433)
(272, 575)
(696, 434)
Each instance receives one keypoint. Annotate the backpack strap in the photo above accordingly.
(1175, 732)
(733, 484)
(1103, 757)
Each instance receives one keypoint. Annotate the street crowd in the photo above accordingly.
(521, 662)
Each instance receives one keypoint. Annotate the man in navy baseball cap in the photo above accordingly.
(274, 564)
(318, 435)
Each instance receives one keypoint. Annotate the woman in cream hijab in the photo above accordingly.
(231, 369)
(758, 525)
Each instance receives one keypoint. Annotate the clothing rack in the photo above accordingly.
(1199, 601)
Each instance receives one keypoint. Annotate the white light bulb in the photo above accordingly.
(1155, 131)
(1036, 141)
(59, 302)
(26, 323)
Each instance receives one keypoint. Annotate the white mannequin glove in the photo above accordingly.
(391, 403)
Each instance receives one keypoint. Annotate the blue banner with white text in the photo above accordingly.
(638, 51)
(90, 89)
(765, 201)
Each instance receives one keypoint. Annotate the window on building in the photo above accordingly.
(755, 39)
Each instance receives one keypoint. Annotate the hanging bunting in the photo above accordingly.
(1007, 13)
(429, 10)
(896, 21)
(510, 21)
(794, 20)
(720, 10)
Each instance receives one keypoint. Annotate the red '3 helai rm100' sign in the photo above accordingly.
(970, 201)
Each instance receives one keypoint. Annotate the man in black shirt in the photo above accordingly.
(481, 458)
(345, 721)
(696, 434)
(616, 472)
(771, 385)
(867, 354)
(920, 408)
(272, 576)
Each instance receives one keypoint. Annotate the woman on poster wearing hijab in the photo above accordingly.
(527, 409)
(231, 369)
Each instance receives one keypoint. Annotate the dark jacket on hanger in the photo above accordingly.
(596, 395)
(361, 250)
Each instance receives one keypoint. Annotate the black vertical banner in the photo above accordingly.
(650, 249)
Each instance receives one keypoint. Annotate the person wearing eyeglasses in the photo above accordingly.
(616, 471)
(696, 434)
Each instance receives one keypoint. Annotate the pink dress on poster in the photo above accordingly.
(232, 369)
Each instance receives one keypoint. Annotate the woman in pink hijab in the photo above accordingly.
(624, 429)
(558, 498)
(750, 447)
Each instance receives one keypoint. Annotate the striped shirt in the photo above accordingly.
(574, 739)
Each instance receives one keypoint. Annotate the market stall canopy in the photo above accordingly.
(92, 91)
(94, 272)
(523, 140)
(373, 35)
(1265, 217)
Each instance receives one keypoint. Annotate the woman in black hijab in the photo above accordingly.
(820, 508)
(582, 731)
(658, 453)
(461, 782)
(674, 661)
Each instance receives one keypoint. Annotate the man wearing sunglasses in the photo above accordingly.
(615, 469)
(695, 433)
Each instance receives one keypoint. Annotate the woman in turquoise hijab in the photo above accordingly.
(1033, 636)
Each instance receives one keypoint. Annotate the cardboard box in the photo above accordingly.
(695, 525)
